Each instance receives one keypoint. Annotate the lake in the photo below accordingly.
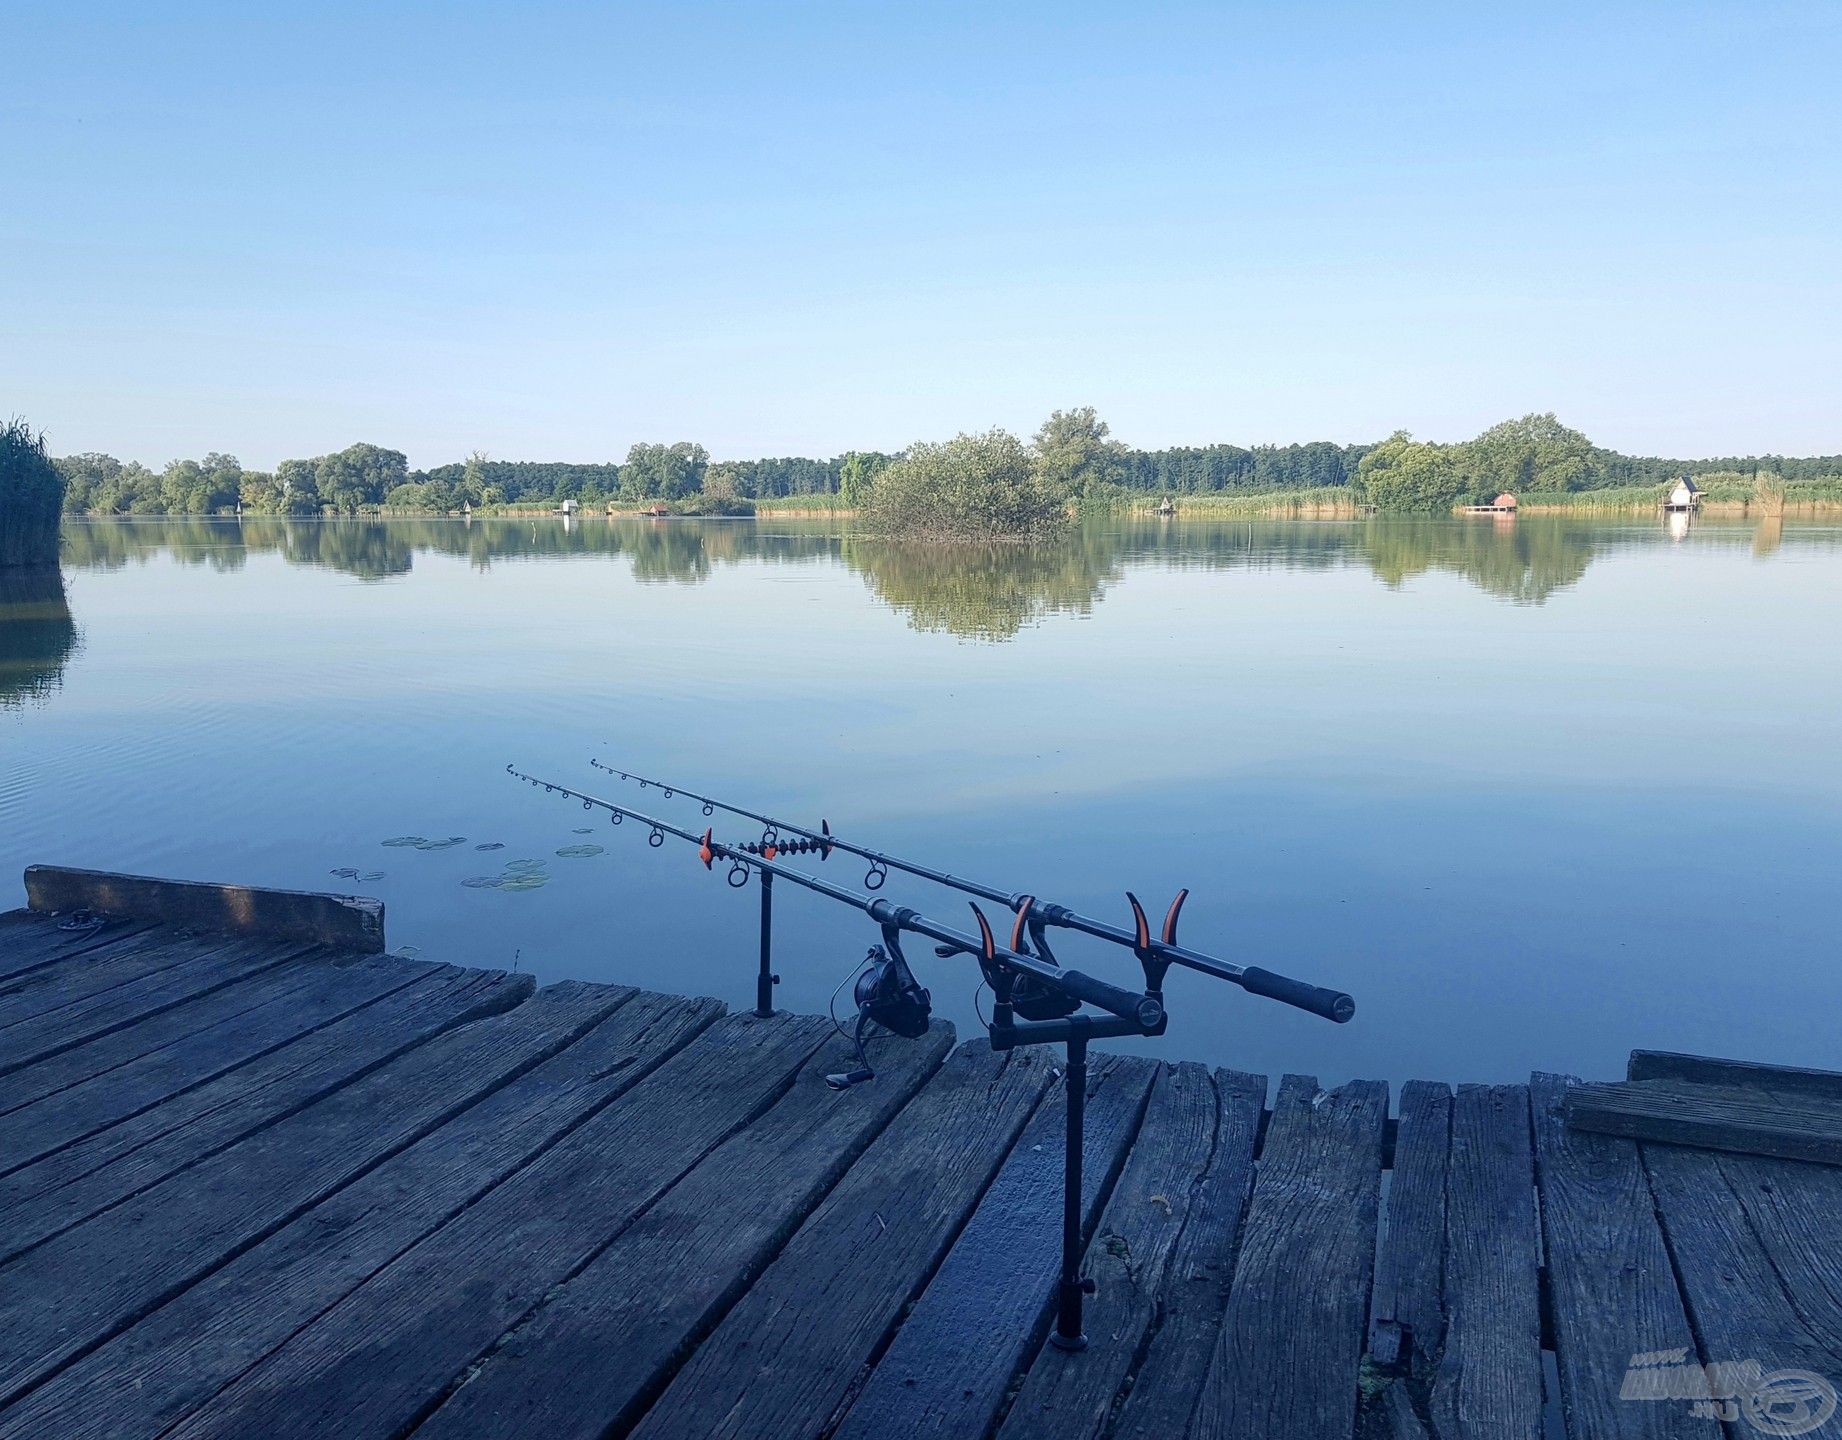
(1535, 791)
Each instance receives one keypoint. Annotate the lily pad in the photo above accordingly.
(406, 840)
(582, 830)
(447, 844)
(524, 867)
(579, 852)
(491, 845)
(484, 882)
(524, 882)
(372, 875)
(345, 873)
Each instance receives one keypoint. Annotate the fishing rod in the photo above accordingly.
(1155, 953)
(1144, 1012)
(1035, 999)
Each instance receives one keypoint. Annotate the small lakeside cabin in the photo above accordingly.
(568, 507)
(1685, 496)
(1504, 504)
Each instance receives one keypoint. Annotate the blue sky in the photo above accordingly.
(551, 231)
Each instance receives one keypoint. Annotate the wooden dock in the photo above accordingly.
(266, 1187)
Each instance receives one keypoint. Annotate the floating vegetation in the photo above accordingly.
(582, 830)
(418, 842)
(518, 875)
(491, 845)
(345, 873)
(577, 852)
(372, 875)
(408, 952)
(405, 840)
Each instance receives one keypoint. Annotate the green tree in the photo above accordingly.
(972, 487)
(857, 472)
(1073, 454)
(1403, 474)
(1535, 453)
(663, 472)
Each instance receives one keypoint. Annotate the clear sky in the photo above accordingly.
(549, 231)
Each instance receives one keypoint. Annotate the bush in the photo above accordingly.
(972, 487)
(31, 498)
(1401, 474)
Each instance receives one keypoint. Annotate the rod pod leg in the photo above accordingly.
(1072, 1290)
(766, 979)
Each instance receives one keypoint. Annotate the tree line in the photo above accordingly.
(1073, 455)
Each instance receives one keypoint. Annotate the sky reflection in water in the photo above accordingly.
(1536, 792)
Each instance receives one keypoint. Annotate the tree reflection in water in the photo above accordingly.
(37, 634)
(987, 593)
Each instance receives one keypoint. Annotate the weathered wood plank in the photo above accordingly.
(380, 1360)
(1611, 1289)
(172, 1027)
(1407, 1316)
(783, 1359)
(1707, 1070)
(984, 1312)
(1069, 1396)
(1755, 1245)
(223, 1030)
(182, 1354)
(350, 922)
(590, 1360)
(113, 1009)
(1487, 1385)
(30, 941)
(112, 1269)
(1791, 1125)
(1195, 1293)
(50, 987)
(1286, 1364)
(70, 1185)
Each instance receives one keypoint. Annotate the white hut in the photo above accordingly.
(1686, 495)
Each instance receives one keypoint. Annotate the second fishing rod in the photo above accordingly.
(1155, 953)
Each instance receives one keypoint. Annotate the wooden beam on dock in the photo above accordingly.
(350, 922)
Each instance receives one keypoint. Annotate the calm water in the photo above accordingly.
(1535, 794)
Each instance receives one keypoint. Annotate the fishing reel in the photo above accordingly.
(888, 995)
(1018, 992)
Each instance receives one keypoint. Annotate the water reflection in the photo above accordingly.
(980, 593)
(986, 592)
(37, 634)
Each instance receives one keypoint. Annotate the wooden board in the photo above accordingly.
(201, 1024)
(1407, 1315)
(51, 987)
(1792, 1125)
(28, 941)
(1066, 1396)
(1706, 1070)
(70, 1185)
(177, 1358)
(67, 1026)
(785, 1357)
(1286, 1364)
(350, 922)
(986, 1308)
(604, 1344)
(1755, 1245)
(110, 1270)
(219, 1032)
(377, 1362)
(1487, 1384)
(1195, 1292)
(1611, 1286)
